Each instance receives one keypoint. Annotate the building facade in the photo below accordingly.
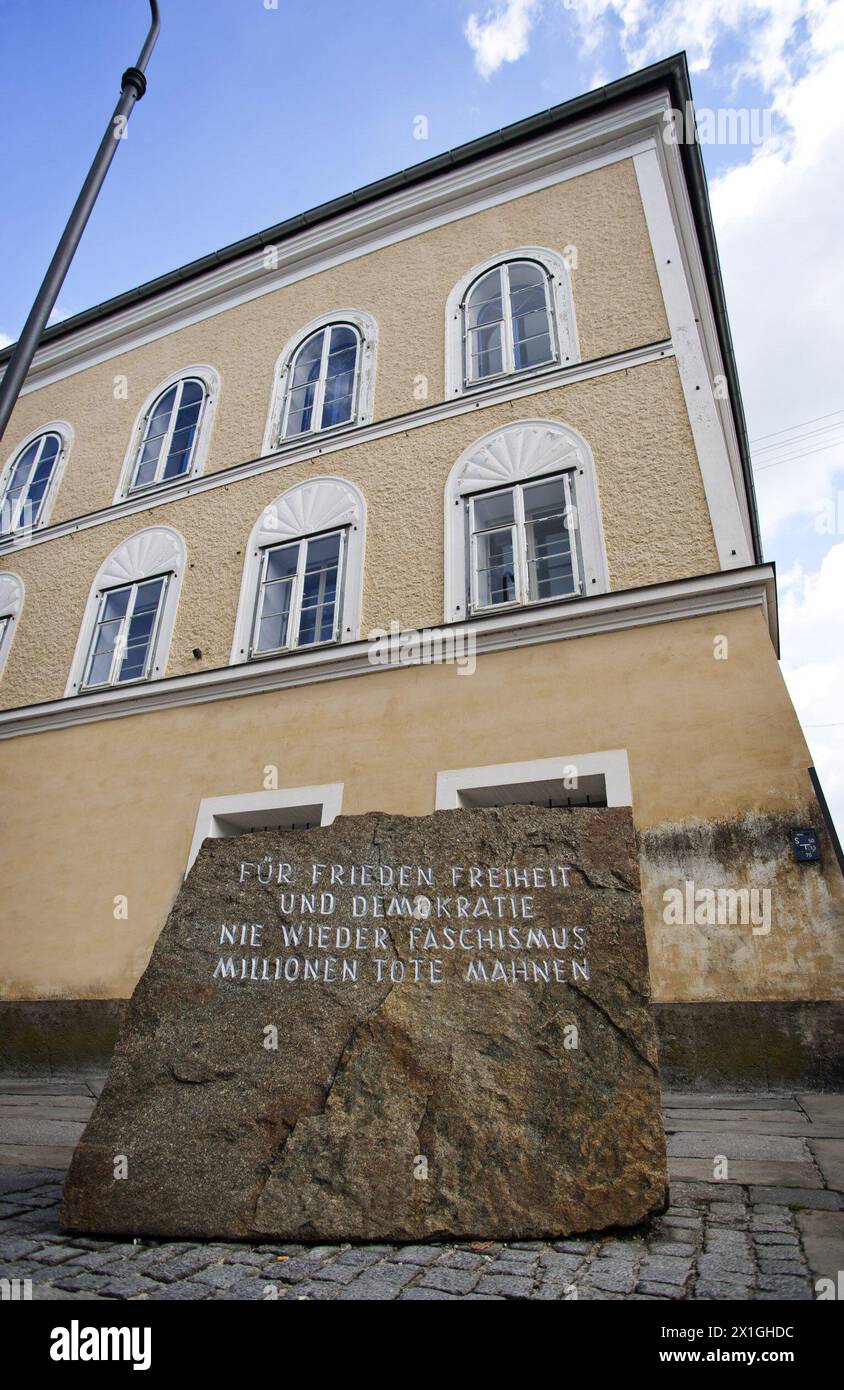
(490, 403)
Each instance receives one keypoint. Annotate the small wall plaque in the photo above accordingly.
(806, 848)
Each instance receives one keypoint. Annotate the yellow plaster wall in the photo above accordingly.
(654, 512)
(108, 809)
(618, 305)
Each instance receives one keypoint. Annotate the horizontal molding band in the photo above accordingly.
(347, 439)
(683, 598)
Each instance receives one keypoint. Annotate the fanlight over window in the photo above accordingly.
(508, 322)
(170, 431)
(323, 381)
(28, 483)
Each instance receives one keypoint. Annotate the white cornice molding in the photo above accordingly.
(575, 149)
(686, 598)
(344, 438)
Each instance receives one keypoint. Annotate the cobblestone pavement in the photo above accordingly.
(769, 1236)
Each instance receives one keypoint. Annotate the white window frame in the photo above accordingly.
(222, 816)
(521, 452)
(362, 409)
(210, 380)
(297, 593)
(119, 650)
(149, 554)
(562, 324)
(518, 531)
(11, 603)
(315, 507)
(508, 353)
(320, 384)
(65, 434)
(612, 764)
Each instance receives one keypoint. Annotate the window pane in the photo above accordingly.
(496, 575)
(319, 593)
(343, 338)
(486, 356)
(148, 595)
(115, 604)
(308, 360)
(484, 304)
(545, 499)
(193, 393)
(337, 410)
(281, 562)
(549, 542)
(525, 274)
(496, 509)
(161, 412)
(275, 598)
(275, 612)
(532, 352)
(140, 630)
(300, 410)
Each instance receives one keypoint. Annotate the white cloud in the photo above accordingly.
(501, 34)
(812, 631)
(5, 340)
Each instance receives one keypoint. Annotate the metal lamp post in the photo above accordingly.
(132, 87)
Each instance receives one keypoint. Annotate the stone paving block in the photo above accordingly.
(508, 1285)
(784, 1285)
(818, 1200)
(665, 1269)
(700, 1192)
(449, 1280)
(380, 1281)
(337, 1273)
(616, 1276)
(463, 1259)
(185, 1292)
(223, 1276)
(416, 1254)
(722, 1264)
(783, 1267)
(130, 1286)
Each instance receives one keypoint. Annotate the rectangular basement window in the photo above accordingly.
(590, 791)
(575, 779)
(289, 808)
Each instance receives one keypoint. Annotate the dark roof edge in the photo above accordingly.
(669, 72)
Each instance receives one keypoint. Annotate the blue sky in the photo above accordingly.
(256, 112)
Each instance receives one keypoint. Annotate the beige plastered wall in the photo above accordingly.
(654, 511)
(714, 748)
(405, 286)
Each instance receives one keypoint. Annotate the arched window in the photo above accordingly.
(31, 477)
(522, 521)
(324, 378)
(323, 381)
(511, 314)
(11, 602)
(170, 436)
(129, 617)
(302, 575)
